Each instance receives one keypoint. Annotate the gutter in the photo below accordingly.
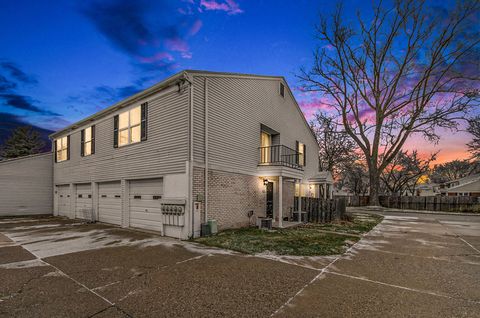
(206, 151)
(169, 82)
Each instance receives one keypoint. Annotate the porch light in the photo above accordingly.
(265, 182)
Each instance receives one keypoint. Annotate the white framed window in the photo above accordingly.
(61, 149)
(129, 126)
(301, 153)
(88, 141)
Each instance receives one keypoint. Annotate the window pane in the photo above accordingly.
(135, 134)
(88, 134)
(59, 145)
(301, 156)
(266, 139)
(63, 155)
(135, 116)
(64, 143)
(87, 148)
(123, 137)
(123, 120)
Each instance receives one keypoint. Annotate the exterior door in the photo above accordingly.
(269, 203)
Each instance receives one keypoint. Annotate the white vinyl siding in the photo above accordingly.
(164, 152)
(26, 185)
(237, 106)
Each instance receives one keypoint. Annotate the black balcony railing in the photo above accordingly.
(280, 155)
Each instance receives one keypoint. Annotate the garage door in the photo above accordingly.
(63, 199)
(110, 203)
(144, 203)
(83, 203)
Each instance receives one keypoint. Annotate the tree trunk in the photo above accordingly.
(374, 186)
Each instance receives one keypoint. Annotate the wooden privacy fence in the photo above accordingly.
(437, 203)
(433, 203)
(322, 210)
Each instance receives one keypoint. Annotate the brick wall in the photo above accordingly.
(198, 188)
(230, 196)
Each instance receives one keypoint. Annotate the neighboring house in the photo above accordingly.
(425, 190)
(195, 147)
(26, 185)
(468, 186)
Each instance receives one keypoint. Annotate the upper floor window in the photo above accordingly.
(88, 141)
(130, 126)
(301, 149)
(282, 90)
(62, 149)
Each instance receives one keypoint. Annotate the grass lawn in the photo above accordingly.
(304, 240)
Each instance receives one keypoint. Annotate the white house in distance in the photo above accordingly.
(467, 186)
(197, 146)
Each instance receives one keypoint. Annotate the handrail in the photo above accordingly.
(280, 155)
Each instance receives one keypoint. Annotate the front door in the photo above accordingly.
(269, 211)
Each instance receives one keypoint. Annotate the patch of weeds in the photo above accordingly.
(300, 241)
(305, 240)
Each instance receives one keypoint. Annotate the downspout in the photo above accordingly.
(190, 168)
(206, 150)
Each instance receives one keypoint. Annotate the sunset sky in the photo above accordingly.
(61, 61)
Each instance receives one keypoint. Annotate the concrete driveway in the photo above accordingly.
(409, 265)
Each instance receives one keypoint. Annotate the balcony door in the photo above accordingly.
(266, 142)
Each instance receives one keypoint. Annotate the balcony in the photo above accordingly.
(280, 155)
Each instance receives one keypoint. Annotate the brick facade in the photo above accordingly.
(231, 196)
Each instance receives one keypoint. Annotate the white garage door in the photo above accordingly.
(63, 199)
(145, 209)
(110, 202)
(83, 203)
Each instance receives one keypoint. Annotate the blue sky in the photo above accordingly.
(61, 61)
(84, 56)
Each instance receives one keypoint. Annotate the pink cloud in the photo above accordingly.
(311, 106)
(186, 55)
(197, 25)
(176, 44)
(160, 56)
(229, 6)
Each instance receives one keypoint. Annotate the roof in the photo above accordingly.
(322, 177)
(169, 81)
(468, 185)
(26, 157)
(465, 179)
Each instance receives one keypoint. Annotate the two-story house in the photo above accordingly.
(197, 146)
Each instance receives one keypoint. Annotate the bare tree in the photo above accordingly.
(453, 170)
(404, 70)
(337, 148)
(404, 171)
(354, 178)
(474, 129)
